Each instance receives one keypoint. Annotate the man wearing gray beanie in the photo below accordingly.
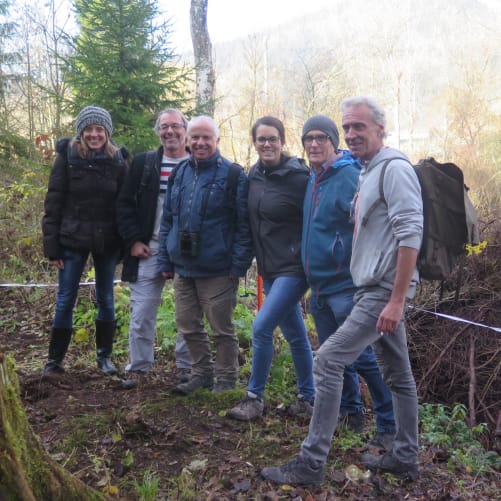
(93, 115)
(324, 124)
(326, 252)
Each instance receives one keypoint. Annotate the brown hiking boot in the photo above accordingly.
(194, 383)
(390, 464)
(249, 409)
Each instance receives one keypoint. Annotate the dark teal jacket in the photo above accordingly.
(328, 228)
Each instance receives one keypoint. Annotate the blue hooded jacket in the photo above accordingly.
(328, 226)
(199, 202)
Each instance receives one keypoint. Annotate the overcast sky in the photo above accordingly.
(230, 19)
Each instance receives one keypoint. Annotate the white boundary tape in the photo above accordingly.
(51, 285)
(410, 306)
(455, 319)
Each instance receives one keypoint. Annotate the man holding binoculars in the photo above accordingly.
(205, 246)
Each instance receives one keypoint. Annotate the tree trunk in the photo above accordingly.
(27, 472)
(202, 50)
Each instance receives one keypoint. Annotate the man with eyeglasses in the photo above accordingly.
(139, 210)
(387, 237)
(326, 252)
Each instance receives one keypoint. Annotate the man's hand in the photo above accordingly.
(393, 312)
(167, 274)
(140, 250)
(390, 317)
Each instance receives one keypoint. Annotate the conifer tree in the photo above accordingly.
(123, 62)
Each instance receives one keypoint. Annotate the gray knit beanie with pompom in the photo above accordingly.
(93, 115)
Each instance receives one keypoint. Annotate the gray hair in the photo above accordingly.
(169, 110)
(194, 121)
(378, 114)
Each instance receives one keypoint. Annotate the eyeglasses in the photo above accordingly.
(271, 139)
(320, 139)
(172, 126)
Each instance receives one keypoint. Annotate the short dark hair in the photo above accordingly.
(271, 122)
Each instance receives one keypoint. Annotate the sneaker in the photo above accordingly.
(301, 407)
(388, 463)
(382, 440)
(194, 383)
(223, 385)
(296, 472)
(183, 375)
(354, 422)
(249, 409)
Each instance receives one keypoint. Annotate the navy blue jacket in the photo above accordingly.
(328, 228)
(198, 201)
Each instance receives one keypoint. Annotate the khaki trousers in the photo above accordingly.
(214, 297)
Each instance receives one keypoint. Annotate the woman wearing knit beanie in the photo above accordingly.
(79, 221)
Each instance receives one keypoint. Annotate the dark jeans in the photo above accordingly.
(329, 312)
(69, 278)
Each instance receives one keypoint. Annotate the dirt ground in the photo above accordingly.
(120, 441)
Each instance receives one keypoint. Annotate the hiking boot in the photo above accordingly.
(135, 378)
(194, 383)
(296, 472)
(354, 422)
(301, 407)
(221, 386)
(183, 375)
(390, 464)
(249, 409)
(382, 440)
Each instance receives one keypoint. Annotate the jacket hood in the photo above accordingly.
(344, 161)
(287, 164)
(384, 154)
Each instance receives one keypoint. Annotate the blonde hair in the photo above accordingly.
(84, 151)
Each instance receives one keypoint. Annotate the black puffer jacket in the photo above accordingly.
(276, 215)
(80, 202)
(137, 208)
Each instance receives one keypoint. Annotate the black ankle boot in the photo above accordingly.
(58, 346)
(105, 331)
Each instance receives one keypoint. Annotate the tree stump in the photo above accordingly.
(27, 471)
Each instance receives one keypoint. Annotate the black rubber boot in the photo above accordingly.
(105, 330)
(58, 346)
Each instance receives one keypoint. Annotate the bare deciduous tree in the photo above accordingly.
(202, 50)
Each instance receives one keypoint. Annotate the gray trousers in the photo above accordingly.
(341, 349)
(145, 297)
(214, 297)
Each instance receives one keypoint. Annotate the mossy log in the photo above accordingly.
(27, 472)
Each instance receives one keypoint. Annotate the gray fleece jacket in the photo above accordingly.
(398, 222)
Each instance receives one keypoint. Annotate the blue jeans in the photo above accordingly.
(281, 309)
(329, 312)
(342, 348)
(69, 278)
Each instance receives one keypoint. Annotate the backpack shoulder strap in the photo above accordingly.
(232, 180)
(149, 164)
(381, 198)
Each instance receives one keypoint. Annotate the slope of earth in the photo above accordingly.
(132, 442)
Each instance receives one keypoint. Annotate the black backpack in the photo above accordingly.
(450, 219)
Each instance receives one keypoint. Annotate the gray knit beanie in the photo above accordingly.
(325, 124)
(93, 115)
